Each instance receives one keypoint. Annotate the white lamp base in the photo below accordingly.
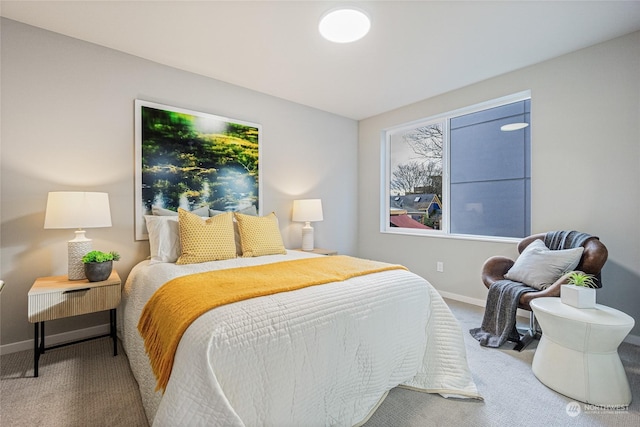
(78, 248)
(307, 237)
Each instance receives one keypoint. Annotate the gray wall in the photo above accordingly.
(68, 124)
(585, 140)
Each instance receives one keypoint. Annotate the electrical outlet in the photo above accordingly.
(440, 266)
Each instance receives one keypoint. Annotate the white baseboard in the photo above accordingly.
(631, 339)
(50, 340)
(462, 298)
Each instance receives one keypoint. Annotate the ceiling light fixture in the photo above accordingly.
(513, 126)
(344, 25)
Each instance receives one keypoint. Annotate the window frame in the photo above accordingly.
(444, 119)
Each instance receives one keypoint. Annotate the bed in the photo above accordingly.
(321, 355)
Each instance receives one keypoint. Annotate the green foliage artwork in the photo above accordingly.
(189, 159)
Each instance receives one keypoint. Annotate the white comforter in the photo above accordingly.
(323, 355)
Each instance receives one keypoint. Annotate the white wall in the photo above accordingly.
(68, 124)
(585, 170)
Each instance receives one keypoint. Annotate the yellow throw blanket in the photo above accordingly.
(180, 301)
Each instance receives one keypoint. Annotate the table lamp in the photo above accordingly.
(76, 209)
(307, 210)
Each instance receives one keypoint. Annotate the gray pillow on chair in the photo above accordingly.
(539, 267)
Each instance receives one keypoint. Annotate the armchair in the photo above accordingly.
(592, 260)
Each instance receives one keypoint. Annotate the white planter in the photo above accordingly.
(578, 296)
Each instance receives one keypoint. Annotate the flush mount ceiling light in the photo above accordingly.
(344, 25)
(513, 126)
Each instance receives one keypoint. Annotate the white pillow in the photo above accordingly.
(539, 267)
(164, 238)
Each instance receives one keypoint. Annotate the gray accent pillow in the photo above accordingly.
(251, 210)
(539, 267)
(201, 211)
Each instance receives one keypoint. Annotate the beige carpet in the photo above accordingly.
(513, 395)
(84, 384)
(79, 385)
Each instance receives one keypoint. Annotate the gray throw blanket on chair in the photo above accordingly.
(568, 240)
(499, 322)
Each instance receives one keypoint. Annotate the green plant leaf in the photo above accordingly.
(99, 256)
(579, 278)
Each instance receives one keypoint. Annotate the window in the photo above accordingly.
(464, 173)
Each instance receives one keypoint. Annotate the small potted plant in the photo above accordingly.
(98, 265)
(580, 290)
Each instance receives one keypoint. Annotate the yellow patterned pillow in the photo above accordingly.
(205, 240)
(259, 235)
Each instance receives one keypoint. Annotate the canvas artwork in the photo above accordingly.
(191, 160)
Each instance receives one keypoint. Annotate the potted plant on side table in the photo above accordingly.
(98, 265)
(580, 290)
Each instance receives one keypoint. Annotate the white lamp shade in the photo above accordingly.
(76, 209)
(307, 210)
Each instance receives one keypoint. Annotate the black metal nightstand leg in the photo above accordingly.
(41, 337)
(37, 346)
(113, 323)
(36, 350)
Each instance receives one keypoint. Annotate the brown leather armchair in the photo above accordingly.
(593, 259)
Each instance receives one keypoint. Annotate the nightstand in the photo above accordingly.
(57, 297)
(320, 251)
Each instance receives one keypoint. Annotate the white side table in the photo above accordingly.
(578, 352)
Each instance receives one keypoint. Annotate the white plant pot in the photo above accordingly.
(578, 296)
